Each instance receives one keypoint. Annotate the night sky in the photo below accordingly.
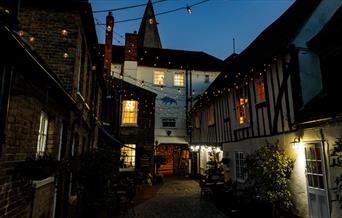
(210, 27)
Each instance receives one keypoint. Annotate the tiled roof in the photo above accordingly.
(170, 58)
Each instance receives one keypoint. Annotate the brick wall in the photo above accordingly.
(131, 47)
(46, 26)
(27, 100)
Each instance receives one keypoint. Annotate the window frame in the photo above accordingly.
(176, 81)
(241, 107)
(131, 157)
(168, 118)
(211, 115)
(240, 166)
(42, 134)
(156, 80)
(260, 95)
(130, 115)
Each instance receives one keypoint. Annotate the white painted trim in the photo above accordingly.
(40, 183)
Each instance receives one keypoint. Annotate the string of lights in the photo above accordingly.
(119, 41)
(188, 8)
(127, 7)
(153, 86)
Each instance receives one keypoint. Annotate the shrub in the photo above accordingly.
(269, 170)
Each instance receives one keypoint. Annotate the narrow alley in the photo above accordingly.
(176, 198)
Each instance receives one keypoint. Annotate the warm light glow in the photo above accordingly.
(64, 32)
(178, 79)
(21, 33)
(31, 39)
(260, 90)
(159, 78)
(128, 155)
(298, 145)
(65, 55)
(129, 112)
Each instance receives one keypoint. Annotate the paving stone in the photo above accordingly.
(177, 198)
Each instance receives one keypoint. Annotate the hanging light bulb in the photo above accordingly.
(161, 87)
(193, 92)
(142, 83)
(121, 76)
(188, 9)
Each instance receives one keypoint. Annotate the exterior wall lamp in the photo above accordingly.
(297, 143)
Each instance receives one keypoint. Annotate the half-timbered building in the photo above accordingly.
(278, 91)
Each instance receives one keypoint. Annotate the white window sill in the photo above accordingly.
(40, 183)
(126, 169)
(129, 125)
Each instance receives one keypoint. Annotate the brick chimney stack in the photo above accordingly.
(131, 47)
(108, 44)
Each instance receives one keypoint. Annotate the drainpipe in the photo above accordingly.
(326, 163)
(187, 100)
(6, 74)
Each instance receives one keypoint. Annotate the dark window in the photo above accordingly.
(168, 122)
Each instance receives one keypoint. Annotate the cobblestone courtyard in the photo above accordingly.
(176, 198)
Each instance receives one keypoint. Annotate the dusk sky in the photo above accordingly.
(210, 27)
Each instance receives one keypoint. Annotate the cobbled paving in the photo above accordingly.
(177, 198)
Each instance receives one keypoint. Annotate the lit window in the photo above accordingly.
(129, 112)
(178, 79)
(128, 156)
(42, 133)
(241, 107)
(240, 166)
(260, 90)
(168, 122)
(206, 78)
(159, 78)
(211, 117)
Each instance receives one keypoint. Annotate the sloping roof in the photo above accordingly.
(178, 59)
(148, 30)
(330, 36)
(275, 39)
(328, 43)
(170, 58)
(279, 35)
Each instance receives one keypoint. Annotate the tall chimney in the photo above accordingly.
(109, 44)
(131, 47)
